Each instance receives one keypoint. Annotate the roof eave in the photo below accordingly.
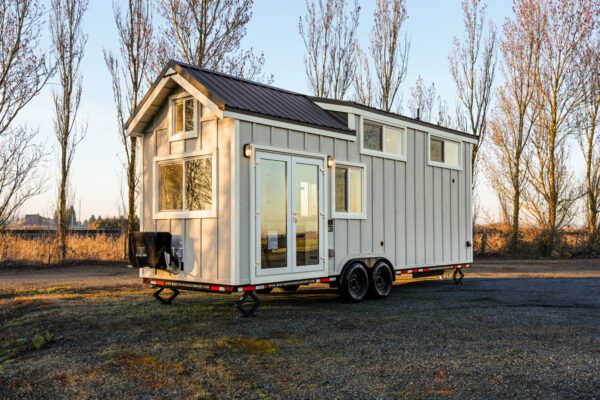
(354, 104)
(349, 132)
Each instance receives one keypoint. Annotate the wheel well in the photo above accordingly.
(368, 263)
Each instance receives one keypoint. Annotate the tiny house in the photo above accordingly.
(260, 187)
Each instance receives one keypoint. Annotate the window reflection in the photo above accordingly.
(170, 187)
(372, 137)
(306, 214)
(198, 184)
(273, 213)
(436, 150)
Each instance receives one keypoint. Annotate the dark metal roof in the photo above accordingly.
(392, 115)
(244, 96)
(247, 97)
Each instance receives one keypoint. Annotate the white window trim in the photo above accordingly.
(349, 215)
(185, 214)
(443, 164)
(173, 135)
(385, 126)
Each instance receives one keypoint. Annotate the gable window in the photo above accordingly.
(184, 117)
(349, 188)
(444, 152)
(186, 187)
(377, 138)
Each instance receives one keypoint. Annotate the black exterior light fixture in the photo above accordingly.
(248, 150)
(329, 161)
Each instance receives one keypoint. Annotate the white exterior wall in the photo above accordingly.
(421, 213)
(207, 241)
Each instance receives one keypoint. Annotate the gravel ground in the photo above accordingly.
(490, 338)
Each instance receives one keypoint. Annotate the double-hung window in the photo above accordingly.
(349, 191)
(184, 116)
(383, 140)
(444, 152)
(186, 187)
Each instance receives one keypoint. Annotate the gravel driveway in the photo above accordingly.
(498, 337)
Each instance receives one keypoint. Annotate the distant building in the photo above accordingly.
(37, 220)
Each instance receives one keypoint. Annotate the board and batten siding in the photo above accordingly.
(417, 215)
(207, 241)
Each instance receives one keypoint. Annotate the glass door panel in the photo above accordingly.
(306, 214)
(273, 206)
(288, 214)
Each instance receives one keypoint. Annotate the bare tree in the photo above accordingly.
(20, 158)
(567, 26)
(207, 33)
(328, 31)
(389, 51)
(443, 117)
(24, 70)
(513, 119)
(587, 121)
(364, 92)
(134, 25)
(472, 65)
(421, 103)
(68, 42)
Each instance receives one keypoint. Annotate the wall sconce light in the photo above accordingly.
(329, 161)
(248, 150)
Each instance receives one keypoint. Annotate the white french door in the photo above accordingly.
(289, 214)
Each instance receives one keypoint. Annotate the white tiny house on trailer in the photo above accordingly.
(261, 187)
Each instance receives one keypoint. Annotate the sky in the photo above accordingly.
(273, 30)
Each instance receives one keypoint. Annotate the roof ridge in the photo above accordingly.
(237, 78)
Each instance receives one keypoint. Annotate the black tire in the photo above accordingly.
(265, 291)
(381, 280)
(355, 284)
(291, 288)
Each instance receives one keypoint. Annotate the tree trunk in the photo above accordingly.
(61, 223)
(131, 187)
(514, 234)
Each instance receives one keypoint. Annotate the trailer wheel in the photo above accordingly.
(355, 284)
(291, 288)
(381, 280)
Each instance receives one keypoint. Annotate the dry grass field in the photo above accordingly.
(573, 242)
(16, 250)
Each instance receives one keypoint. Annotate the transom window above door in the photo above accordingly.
(383, 140)
(184, 117)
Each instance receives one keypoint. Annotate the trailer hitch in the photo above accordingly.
(169, 299)
(240, 304)
(458, 276)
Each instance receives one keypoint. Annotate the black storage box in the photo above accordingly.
(147, 249)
